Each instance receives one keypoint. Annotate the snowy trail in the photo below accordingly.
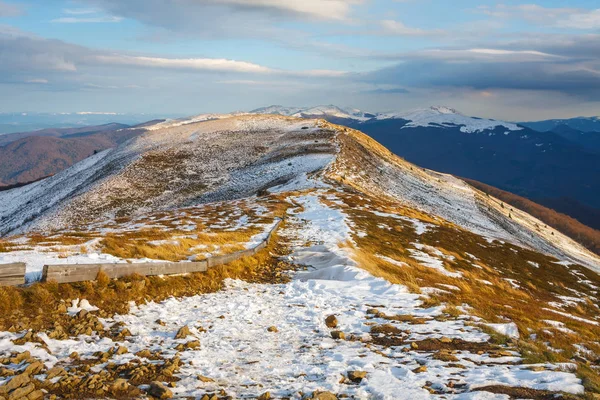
(245, 359)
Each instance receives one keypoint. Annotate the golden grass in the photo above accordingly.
(34, 306)
(497, 300)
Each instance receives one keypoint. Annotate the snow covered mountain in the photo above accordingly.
(383, 278)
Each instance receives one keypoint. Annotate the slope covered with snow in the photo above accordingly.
(448, 117)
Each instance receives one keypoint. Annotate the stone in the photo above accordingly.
(318, 395)
(205, 379)
(62, 308)
(414, 345)
(183, 332)
(21, 392)
(34, 368)
(35, 395)
(120, 385)
(265, 396)
(54, 372)
(121, 350)
(356, 376)
(192, 344)
(272, 329)
(420, 369)
(74, 356)
(159, 391)
(16, 382)
(331, 321)
(82, 314)
(374, 311)
(144, 353)
(445, 339)
(338, 335)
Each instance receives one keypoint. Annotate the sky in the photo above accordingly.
(506, 60)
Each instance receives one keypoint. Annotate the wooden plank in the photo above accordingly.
(12, 274)
(88, 272)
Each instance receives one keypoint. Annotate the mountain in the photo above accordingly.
(380, 278)
(582, 124)
(61, 132)
(549, 168)
(30, 156)
(331, 113)
(13, 122)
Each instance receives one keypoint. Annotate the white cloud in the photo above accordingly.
(391, 27)
(87, 20)
(9, 9)
(320, 9)
(560, 17)
(37, 80)
(588, 20)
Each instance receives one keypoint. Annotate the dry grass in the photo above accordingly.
(527, 301)
(34, 306)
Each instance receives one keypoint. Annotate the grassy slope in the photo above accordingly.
(588, 237)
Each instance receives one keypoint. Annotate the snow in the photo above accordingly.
(510, 329)
(245, 359)
(447, 117)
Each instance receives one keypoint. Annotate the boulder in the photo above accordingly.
(338, 335)
(321, 395)
(272, 329)
(331, 321)
(159, 391)
(356, 376)
(183, 332)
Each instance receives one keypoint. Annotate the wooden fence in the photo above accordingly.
(14, 274)
(88, 272)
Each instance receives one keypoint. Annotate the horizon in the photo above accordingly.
(510, 61)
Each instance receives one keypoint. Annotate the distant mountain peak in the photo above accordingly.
(444, 110)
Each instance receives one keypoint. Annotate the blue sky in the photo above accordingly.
(509, 60)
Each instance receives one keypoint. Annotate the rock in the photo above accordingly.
(192, 344)
(144, 353)
(82, 314)
(121, 350)
(420, 369)
(62, 308)
(125, 333)
(331, 321)
(272, 329)
(160, 322)
(445, 339)
(54, 372)
(318, 395)
(15, 382)
(356, 376)
(159, 391)
(74, 356)
(205, 379)
(265, 396)
(35, 395)
(374, 311)
(119, 386)
(22, 392)
(338, 335)
(20, 357)
(183, 332)
(414, 345)
(34, 368)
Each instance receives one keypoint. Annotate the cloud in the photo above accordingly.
(77, 20)
(21, 54)
(391, 27)
(9, 9)
(485, 69)
(387, 91)
(222, 19)
(37, 80)
(558, 17)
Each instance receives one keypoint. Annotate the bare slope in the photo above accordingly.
(239, 156)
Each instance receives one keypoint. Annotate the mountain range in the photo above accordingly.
(379, 276)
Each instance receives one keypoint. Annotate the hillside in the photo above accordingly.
(383, 277)
(556, 169)
(32, 157)
(574, 229)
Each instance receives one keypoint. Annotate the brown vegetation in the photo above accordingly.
(588, 237)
